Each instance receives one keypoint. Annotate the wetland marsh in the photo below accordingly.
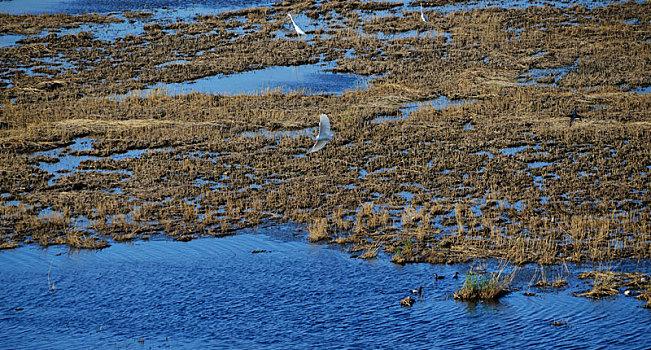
(453, 141)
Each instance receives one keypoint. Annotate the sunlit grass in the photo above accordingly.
(485, 287)
(423, 188)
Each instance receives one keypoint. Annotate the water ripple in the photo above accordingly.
(217, 293)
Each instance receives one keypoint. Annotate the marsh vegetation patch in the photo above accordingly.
(496, 171)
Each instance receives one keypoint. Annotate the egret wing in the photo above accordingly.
(324, 126)
(298, 29)
(318, 145)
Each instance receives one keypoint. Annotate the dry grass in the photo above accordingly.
(77, 240)
(560, 279)
(608, 283)
(318, 230)
(8, 245)
(562, 194)
(600, 289)
(29, 24)
(646, 295)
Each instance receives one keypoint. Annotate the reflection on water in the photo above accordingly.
(440, 103)
(192, 7)
(216, 292)
(310, 78)
(184, 8)
(66, 160)
(31, 6)
(8, 40)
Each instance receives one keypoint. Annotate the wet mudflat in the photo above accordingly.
(454, 144)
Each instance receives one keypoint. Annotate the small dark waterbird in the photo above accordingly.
(418, 291)
(437, 277)
(574, 116)
(408, 301)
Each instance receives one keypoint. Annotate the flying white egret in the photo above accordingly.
(298, 29)
(422, 15)
(325, 134)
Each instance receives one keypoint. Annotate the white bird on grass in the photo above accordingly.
(298, 29)
(422, 15)
(325, 134)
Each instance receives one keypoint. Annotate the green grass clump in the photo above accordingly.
(479, 287)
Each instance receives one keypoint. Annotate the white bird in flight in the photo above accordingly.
(298, 29)
(325, 134)
(422, 15)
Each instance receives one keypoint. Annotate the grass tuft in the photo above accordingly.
(485, 287)
(318, 231)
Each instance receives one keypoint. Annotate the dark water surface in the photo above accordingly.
(216, 293)
(83, 6)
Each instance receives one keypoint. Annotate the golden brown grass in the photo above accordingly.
(203, 175)
(318, 230)
(33, 24)
(646, 295)
(608, 283)
(77, 240)
(559, 281)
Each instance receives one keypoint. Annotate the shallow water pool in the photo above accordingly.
(310, 78)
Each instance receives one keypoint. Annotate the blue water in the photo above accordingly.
(439, 103)
(216, 293)
(69, 160)
(202, 6)
(309, 78)
(82, 6)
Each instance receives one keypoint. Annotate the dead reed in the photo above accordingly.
(502, 175)
(608, 283)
